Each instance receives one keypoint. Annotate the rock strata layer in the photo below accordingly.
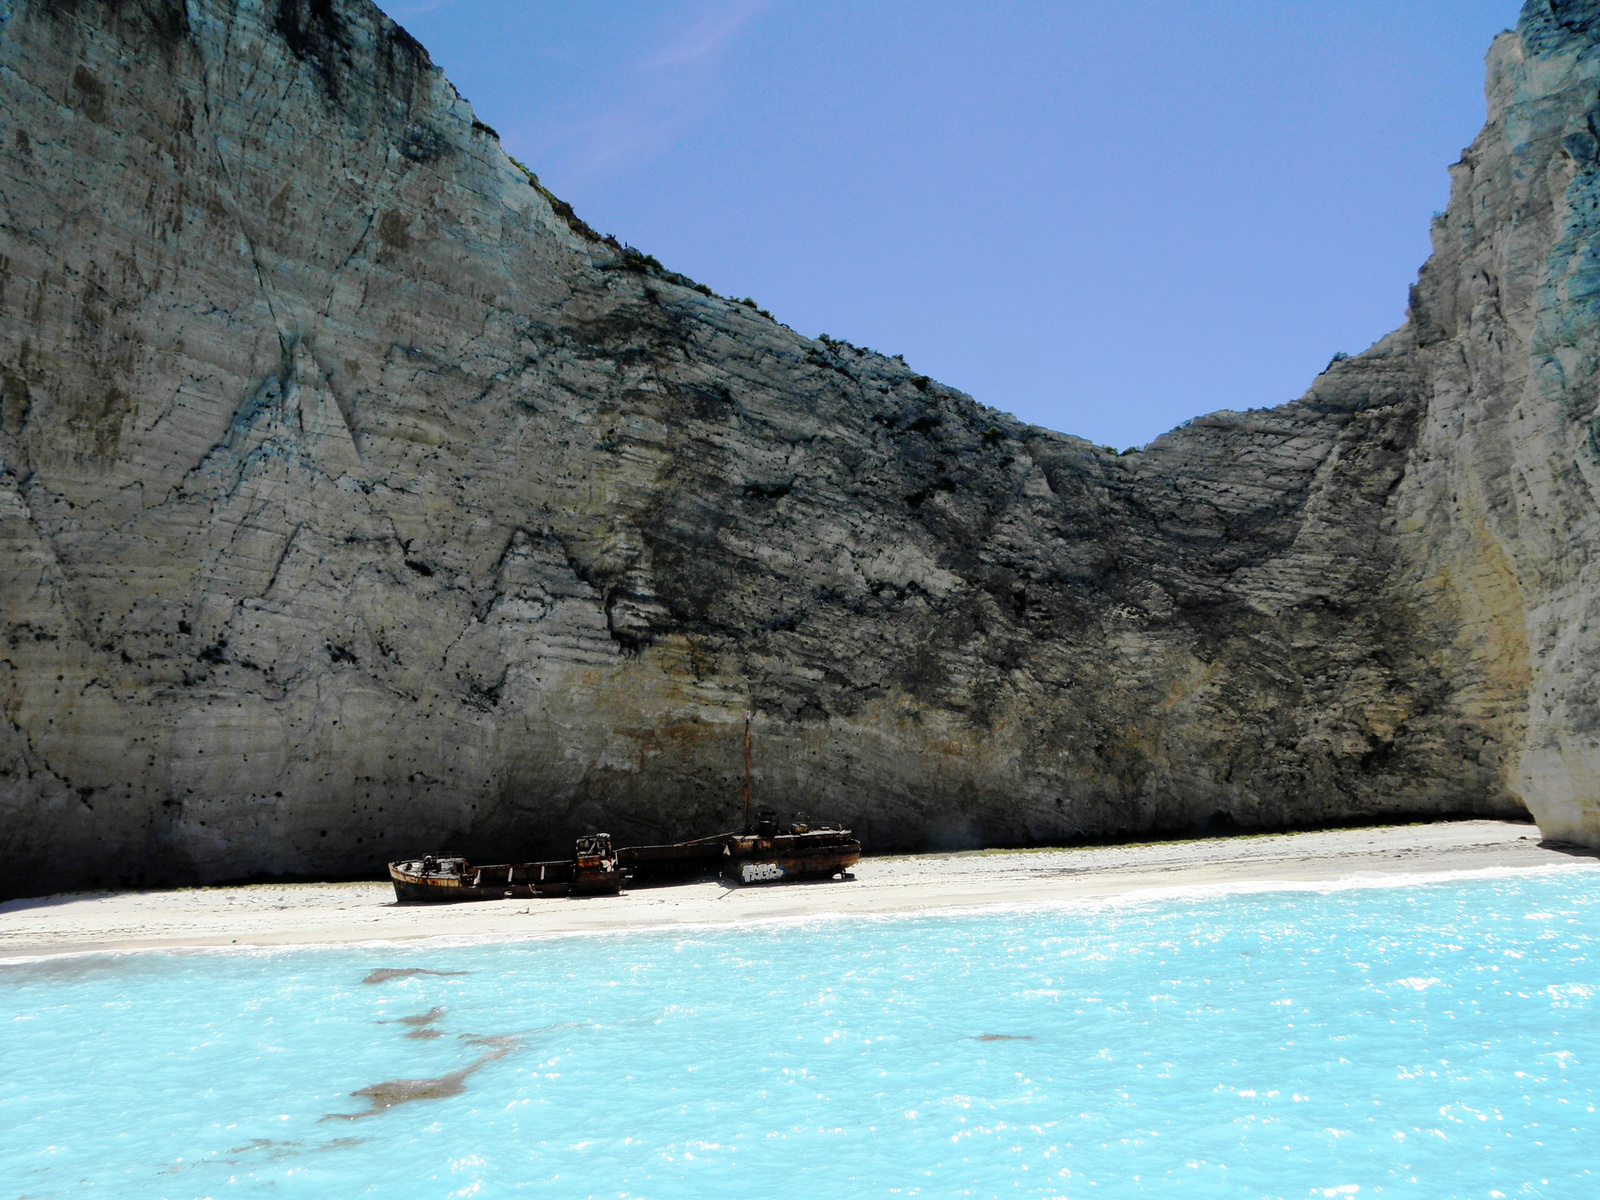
(357, 500)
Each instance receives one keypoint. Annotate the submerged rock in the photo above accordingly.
(357, 498)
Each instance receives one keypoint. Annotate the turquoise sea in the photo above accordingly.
(1435, 1040)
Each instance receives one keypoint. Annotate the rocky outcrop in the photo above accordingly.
(357, 499)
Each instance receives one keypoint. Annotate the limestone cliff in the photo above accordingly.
(356, 499)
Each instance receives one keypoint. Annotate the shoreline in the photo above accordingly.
(260, 916)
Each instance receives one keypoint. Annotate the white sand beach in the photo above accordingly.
(325, 914)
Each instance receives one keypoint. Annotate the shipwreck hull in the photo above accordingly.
(678, 863)
(497, 882)
(752, 858)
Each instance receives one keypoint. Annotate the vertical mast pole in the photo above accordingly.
(747, 772)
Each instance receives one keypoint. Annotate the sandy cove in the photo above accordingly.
(326, 914)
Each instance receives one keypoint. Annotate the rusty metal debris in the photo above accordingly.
(591, 871)
(769, 853)
(765, 851)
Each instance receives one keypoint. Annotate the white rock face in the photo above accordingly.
(1498, 510)
(358, 501)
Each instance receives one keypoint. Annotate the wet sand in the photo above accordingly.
(325, 914)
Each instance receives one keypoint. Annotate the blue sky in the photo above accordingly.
(1103, 218)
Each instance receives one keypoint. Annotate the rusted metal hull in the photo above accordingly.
(592, 870)
(677, 863)
(593, 880)
(754, 858)
(764, 856)
(499, 881)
